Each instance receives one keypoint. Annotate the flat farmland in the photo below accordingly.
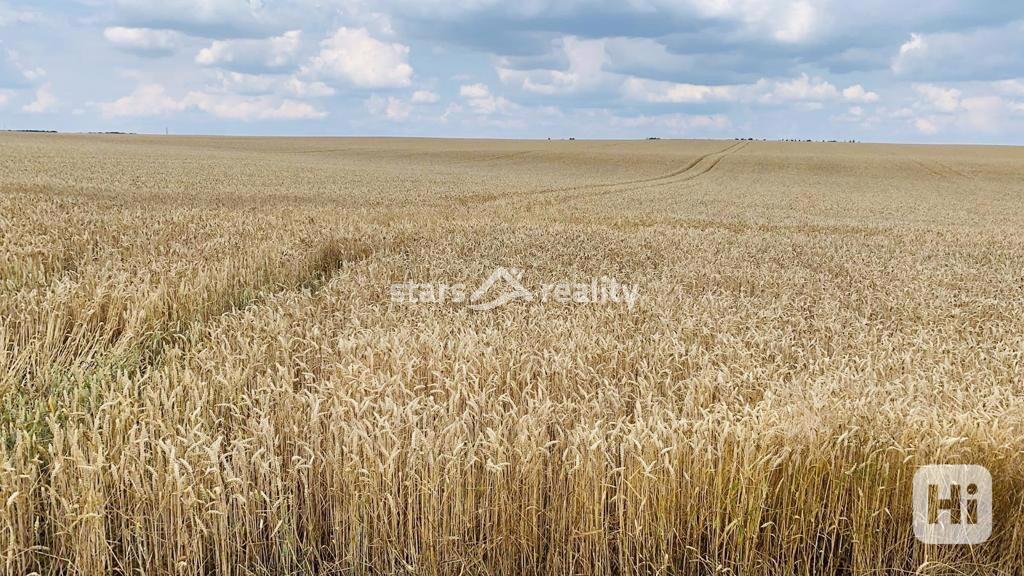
(420, 356)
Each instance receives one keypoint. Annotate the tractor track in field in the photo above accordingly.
(715, 157)
(938, 169)
(692, 170)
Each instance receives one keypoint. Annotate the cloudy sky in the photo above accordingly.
(876, 70)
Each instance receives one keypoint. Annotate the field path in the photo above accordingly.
(698, 167)
(936, 168)
(692, 170)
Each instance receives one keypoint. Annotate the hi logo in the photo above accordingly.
(952, 504)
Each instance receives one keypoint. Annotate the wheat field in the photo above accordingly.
(202, 371)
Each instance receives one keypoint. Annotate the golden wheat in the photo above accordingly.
(201, 371)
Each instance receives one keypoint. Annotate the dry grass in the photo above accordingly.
(201, 372)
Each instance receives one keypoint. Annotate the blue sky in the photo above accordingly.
(874, 70)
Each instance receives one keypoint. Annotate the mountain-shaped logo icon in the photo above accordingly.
(513, 278)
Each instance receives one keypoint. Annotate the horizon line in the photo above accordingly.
(30, 131)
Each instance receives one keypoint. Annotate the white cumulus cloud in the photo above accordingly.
(234, 107)
(939, 98)
(145, 100)
(785, 21)
(10, 15)
(143, 41)
(970, 54)
(480, 100)
(392, 108)
(153, 100)
(15, 72)
(352, 55)
(857, 93)
(45, 101)
(274, 53)
(424, 97)
(980, 111)
(398, 109)
(586, 61)
(678, 93)
(243, 83)
(912, 49)
(797, 23)
(1013, 87)
(307, 89)
(206, 18)
(805, 91)
(983, 113)
(474, 91)
(927, 126)
(675, 123)
(801, 88)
